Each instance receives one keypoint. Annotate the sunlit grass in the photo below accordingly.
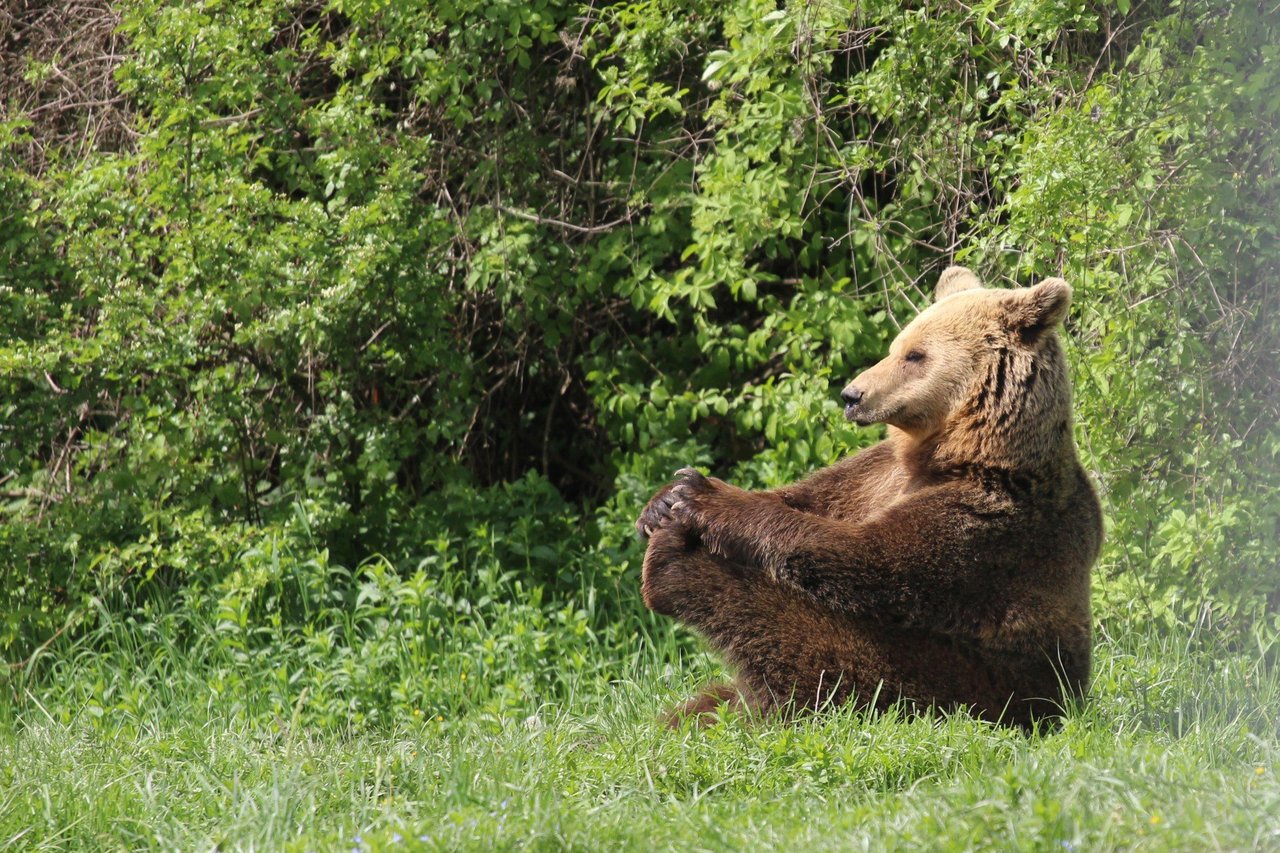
(1177, 749)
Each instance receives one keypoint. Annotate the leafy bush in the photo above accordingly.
(353, 344)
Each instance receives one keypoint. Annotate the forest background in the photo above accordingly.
(341, 343)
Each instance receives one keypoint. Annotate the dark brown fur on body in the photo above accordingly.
(947, 565)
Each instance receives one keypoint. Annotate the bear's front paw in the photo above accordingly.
(695, 499)
(657, 513)
(690, 485)
(690, 478)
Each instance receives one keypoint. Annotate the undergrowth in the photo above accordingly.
(1178, 747)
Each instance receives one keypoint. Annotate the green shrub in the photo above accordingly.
(354, 361)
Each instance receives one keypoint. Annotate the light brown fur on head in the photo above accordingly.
(979, 377)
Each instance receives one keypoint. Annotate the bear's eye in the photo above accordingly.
(914, 355)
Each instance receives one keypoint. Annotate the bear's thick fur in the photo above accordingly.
(948, 565)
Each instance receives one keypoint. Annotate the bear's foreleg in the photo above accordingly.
(926, 561)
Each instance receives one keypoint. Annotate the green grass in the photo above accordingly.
(1177, 749)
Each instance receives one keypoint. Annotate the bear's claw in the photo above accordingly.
(656, 514)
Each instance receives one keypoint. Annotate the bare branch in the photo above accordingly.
(567, 226)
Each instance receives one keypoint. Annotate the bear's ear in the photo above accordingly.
(954, 280)
(1037, 309)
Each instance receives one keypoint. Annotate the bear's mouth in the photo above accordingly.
(858, 415)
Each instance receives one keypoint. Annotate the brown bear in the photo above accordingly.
(946, 566)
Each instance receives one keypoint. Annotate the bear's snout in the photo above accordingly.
(852, 396)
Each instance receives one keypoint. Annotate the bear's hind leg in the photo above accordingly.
(790, 653)
(703, 708)
(784, 647)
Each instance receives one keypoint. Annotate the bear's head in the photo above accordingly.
(976, 359)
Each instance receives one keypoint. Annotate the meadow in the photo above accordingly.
(1177, 748)
(342, 341)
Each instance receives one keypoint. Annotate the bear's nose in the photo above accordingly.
(851, 396)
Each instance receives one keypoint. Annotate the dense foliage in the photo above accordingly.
(341, 341)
